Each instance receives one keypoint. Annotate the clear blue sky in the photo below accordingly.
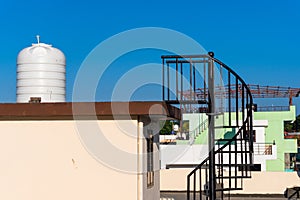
(259, 39)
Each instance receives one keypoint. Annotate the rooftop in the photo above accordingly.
(86, 110)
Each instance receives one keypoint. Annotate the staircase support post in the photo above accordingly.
(211, 135)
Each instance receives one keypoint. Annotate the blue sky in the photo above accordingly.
(259, 39)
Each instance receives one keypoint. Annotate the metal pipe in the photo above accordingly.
(163, 79)
(211, 136)
(176, 78)
(168, 77)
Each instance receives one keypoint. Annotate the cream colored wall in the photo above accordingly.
(46, 160)
(260, 183)
(174, 179)
(270, 182)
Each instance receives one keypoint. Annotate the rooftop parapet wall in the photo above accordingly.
(45, 111)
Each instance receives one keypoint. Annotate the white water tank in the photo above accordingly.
(41, 71)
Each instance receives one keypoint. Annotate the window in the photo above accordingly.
(150, 171)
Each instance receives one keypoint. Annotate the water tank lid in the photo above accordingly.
(41, 53)
(41, 45)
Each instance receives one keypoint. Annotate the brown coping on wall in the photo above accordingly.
(67, 110)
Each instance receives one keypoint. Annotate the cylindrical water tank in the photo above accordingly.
(41, 74)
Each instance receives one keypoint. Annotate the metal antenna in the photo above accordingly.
(38, 38)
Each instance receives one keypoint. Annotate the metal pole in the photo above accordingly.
(211, 136)
(163, 79)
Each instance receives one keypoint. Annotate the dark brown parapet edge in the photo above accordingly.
(86, 110)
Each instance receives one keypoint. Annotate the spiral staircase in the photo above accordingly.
(227, 101)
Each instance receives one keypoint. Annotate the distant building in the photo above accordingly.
(271, 150)
(273, 169)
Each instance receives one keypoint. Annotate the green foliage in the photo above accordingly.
(166, 127)
(288, 127)
(185, 126)
(297, 124)
(293, 127)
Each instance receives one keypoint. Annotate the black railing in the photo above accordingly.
(273, 108)
(292, 193)
(229, 162)
(263, 148)
(263, 108)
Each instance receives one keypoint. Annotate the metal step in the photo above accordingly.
(234, 177)
(229, 189)
(233, 152)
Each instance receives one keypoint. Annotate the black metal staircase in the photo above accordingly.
(230, 135)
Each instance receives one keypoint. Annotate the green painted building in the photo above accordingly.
(275, 132)
(269, 126)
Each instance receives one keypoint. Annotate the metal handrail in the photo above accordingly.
(246, 125)
(243, 102)
(263, 148)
